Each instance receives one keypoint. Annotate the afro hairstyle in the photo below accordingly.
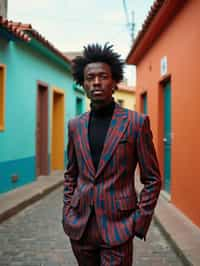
(94, 53)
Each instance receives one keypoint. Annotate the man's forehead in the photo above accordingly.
(97, 66)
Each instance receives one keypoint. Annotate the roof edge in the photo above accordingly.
(26, 32)
(160, 15)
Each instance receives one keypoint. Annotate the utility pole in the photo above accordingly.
(130, 25)
(131, 30)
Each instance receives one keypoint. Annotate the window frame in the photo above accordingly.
(2, 96)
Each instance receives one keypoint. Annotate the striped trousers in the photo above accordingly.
(91, 250)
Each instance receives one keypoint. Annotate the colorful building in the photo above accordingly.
(37, 98)
(166, 53)
(125, 96)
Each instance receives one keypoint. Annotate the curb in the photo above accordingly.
(180, 253)
(22, 205)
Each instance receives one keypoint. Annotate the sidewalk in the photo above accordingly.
(183, 235)
(17, 199)
(179, 230)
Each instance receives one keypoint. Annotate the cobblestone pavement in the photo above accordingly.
(34, 237)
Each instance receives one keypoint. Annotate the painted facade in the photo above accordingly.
(125, 96)
(37, 99)
(166, 54)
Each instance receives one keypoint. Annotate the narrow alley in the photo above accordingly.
(34, 237)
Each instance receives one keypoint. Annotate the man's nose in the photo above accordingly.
(96, 80)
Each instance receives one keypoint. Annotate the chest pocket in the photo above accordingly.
(125, 151)
(126, 144)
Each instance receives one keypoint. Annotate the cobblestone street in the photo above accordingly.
(35, 237)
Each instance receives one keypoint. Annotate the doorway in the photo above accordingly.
(144, 103)
(58, 118)
(42, 130)
(167, 135)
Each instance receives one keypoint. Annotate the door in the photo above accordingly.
(58, 128)
(42, 130)
(144, 103)
(79, 106)
(167, 136)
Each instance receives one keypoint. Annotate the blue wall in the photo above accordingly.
(24, 67)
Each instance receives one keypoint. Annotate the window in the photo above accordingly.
(120, 102)
(79, 106)
(2, 96)
(144, 103)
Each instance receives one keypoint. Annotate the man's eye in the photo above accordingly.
(104, 76)
(89, 78)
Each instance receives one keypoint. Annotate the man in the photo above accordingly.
(101, 212)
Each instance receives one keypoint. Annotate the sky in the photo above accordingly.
(71, 24)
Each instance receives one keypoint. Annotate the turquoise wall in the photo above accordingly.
(24, 67)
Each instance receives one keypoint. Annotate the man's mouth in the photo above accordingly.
(97, 92)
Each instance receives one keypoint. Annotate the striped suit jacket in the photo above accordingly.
(111, 190)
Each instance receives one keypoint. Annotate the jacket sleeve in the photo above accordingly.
(71, 172)
(149, 176)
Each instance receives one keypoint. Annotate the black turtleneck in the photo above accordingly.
(98, 127)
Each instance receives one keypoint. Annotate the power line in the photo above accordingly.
(130, 24)
(126, 12)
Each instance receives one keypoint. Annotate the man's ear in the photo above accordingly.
(114, 87)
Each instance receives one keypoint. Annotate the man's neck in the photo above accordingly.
(100, 105)
(105, 111)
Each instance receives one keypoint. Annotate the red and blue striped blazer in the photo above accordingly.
(111, 190)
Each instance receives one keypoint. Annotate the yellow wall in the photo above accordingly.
(127, 97)
(58, 114)
(87, 104)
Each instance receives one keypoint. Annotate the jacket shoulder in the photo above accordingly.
(73, 122)
(136, 118)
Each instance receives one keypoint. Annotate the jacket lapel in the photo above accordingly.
(116, 129)
(84, 145)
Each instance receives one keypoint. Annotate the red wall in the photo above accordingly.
(180, 42)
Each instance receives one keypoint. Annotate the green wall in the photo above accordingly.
(24, 67)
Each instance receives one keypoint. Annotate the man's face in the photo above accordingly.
(98, 82)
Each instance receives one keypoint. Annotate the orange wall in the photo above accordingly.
(180, 42)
